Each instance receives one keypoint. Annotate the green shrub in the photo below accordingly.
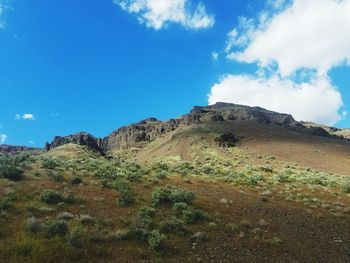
(125, 196)
(49, 196)
(173, 225)
(155, 239)
(15, 160)
(24, 250)
(5, 204)
(160, 166)
(315, 178)
(133, 172)
(255, 179)
(49, 163)
(194, 215)
(208, 169)
(68, 197)
(146, 211)
(105, 171)
(160, 174)
(55, 227)
(11, 172)
(119, 184)
(179, 208)
(86, 219)
(75, 180)
(346, 186)
(266, 168)
(284, 176)
(77, 237)
(33, 225)
(143, 223)
(59, 178)
(172, 195)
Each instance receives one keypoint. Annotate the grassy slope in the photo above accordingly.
(262, 201)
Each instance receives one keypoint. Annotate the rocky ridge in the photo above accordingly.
(10, 149)
(143, 132)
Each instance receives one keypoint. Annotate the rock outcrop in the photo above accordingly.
(139, 133)
(81, 138)
(231, 112)
(341, 133)
(226, 140)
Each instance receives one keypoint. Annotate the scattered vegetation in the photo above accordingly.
(156, 215)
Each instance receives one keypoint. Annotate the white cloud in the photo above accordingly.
(310, 34)
(3, 138)
(318, 100)
(215, 56)
(294, 43)
(3, 7)
(25, 116)
(158, 14)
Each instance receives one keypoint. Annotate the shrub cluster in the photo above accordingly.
(49, 163)
(5, 204)
(49, 196)
(171, 195)
(11, 172)
(144, 229)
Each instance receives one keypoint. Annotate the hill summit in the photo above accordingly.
(148, 130)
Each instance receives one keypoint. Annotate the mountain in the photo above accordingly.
(260, 131)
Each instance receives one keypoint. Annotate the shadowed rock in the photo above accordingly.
(226, 140)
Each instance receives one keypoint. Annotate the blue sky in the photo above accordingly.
(69, 66)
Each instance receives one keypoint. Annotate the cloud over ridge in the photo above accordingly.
(294, 43)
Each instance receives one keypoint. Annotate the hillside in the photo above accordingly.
(224, 183)
(258, 131)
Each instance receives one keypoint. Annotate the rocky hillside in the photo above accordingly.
(342, 133)
(143, 132)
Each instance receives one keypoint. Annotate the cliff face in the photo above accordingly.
(231, 112)
(143, 132)
(137, 134)
(81, 138)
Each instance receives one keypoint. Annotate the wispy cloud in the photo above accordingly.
(25, 116)
(3, 138)
(215, 56)
(54, 115)
(158, 14)
(3, 7)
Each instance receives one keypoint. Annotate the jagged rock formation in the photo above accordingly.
(10, 149)
(137, 134)
(230, 112)
(81, 138)
(143, 132)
